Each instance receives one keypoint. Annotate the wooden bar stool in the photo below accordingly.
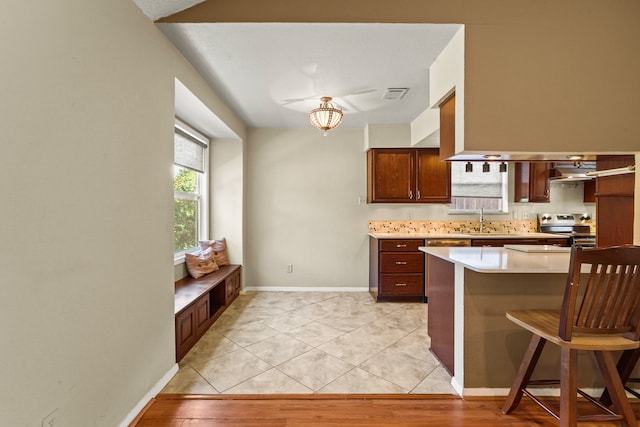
(600, 313)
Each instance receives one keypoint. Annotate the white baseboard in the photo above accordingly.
(306, 289)
(162, 382)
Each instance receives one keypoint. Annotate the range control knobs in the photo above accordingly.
(546, 217)
(585, 217)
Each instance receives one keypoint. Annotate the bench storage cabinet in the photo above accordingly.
(199, 302)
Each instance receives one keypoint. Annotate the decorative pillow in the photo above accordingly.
(200, 263)
(219, 248)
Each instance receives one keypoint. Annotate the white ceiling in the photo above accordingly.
(156, 9)
(273, 74)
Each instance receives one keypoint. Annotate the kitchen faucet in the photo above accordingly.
(481, 220)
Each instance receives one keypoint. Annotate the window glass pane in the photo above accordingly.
(477, 190)
(185, 180)
(186, 209)
(185, 226)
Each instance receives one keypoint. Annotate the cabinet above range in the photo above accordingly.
(407, 175)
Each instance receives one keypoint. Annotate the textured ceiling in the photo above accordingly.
(273, 74)
(156, 9)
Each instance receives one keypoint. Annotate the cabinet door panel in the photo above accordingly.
(185, 331)
(448, 127)
(532, 182)
(401, 262)
(391, 175)
(401, 284)
(614, 202)
(433, 176)
(201, 309)
(539, 192)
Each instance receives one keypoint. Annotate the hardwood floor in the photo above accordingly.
(168, 410)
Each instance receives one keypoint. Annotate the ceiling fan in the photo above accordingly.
(341, 103)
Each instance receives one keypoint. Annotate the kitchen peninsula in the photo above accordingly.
(470, 290)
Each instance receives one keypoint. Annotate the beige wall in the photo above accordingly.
(227, 172)
(86, 295)
(302, 208)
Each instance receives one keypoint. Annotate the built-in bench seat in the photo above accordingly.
(199, 302)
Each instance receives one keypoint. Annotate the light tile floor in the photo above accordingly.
(313, 342)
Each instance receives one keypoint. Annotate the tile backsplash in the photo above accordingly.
(453, 226)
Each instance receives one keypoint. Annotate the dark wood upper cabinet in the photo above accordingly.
(614, 202)
(448, 127)
(390, 175)
(589, 191)
(407, 175)
(532, 182)
(433, 177)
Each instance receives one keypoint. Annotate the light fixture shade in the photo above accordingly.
(326, 116)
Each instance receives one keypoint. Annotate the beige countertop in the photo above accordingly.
(501, 260)
(467, 236)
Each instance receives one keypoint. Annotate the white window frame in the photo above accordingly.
(477, 164)
(202, 184)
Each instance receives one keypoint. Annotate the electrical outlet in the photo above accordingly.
(51, 420)
(362, 200)
(525, 215)
(289, 268)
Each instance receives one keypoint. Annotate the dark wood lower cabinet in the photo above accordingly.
(396, 269)
(440, 276)
(199, 302)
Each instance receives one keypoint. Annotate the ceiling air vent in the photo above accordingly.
(394, 94)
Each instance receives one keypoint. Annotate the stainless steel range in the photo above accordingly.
(576, 226)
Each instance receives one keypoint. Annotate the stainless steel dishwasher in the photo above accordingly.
(444, 242)
(447, 242)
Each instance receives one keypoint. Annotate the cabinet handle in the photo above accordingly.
(401, 262)
(401, 246)
(401, 284)
(418, 198)
(411, 194)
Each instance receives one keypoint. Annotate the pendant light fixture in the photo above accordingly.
(326, 116)
(468, 167)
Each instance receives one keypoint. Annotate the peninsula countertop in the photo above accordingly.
(501, 260)
(488, 235)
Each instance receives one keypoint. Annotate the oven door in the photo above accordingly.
(584, 241)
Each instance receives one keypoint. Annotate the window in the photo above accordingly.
(472, 191)
(189, 188)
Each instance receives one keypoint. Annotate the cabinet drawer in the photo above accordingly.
(401, 245)
(401, 262)
(401, 284)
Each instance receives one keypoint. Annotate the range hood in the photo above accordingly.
(561, 172)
